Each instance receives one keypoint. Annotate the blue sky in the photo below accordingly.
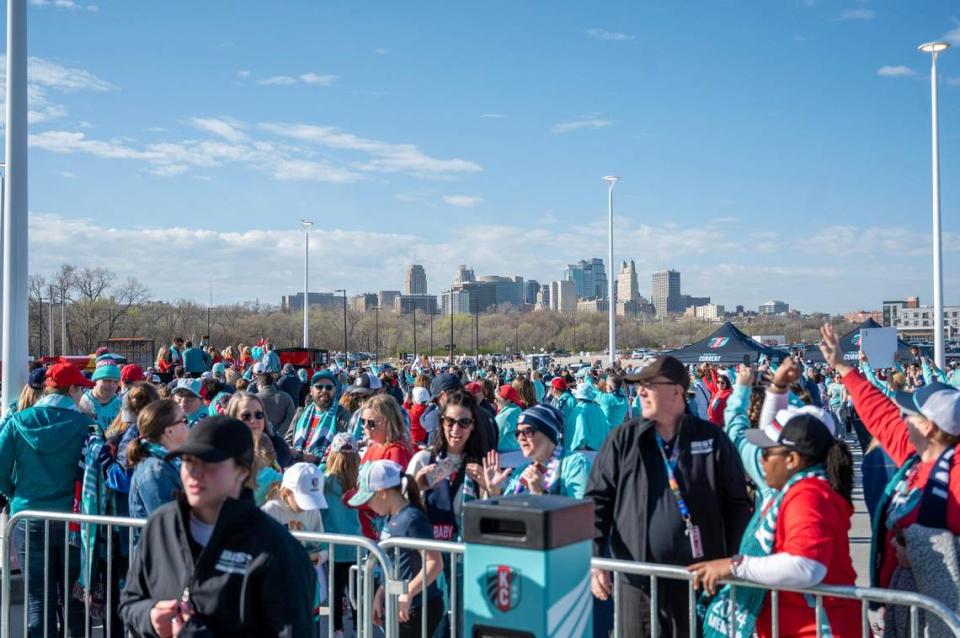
(768, 149)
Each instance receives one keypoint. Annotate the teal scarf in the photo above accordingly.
(757, 541)
(897, 501)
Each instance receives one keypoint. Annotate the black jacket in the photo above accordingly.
(252, 579)
(712, 483)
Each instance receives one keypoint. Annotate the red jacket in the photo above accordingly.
(417, 433)
(881, 416)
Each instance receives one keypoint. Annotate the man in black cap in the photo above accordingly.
(668, 488)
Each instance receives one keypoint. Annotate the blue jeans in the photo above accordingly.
(56, 590)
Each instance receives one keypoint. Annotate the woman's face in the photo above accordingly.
(208, 484)
(779, 464)
(534, 444)
(250, 411)
(457, 424)
(374, 425)
(379, 503)
(176, 433)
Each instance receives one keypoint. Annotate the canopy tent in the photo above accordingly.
(727, 345)
(850, 346)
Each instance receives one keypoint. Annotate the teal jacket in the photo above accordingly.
(39, 452)
(507, 424)
(339, 518)
(590, 427)
(614, 407)
(737, 423)
(574, 472)
(869, 374)
(566, 404)
(540, 389)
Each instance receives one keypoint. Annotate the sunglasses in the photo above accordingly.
(464, 423)
(767, 453)
(525, 433)
(648, 385)
(247, 416)
(369, 424)
(324, 386)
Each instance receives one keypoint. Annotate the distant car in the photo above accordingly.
(560, 352)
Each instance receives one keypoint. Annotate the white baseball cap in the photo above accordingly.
(305, 481)
(375, 476)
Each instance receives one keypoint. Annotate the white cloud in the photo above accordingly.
(953, 35)
(278, 80)
(462, 201)
(603, 34)
(493, 116)
(898, 71)
(227, 128)
(243, 74)
(859, 13)
(322, 80)
(382, 157)
(585, 122)
(69, 175)
(44, 76)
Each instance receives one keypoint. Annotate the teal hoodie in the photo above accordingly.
(39, 451)
(590, 426)
(737, 424)
(507, 424)
(614, 406)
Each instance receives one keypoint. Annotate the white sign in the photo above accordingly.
(880, 346)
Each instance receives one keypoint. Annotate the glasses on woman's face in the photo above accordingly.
(182, 419)
(526, 433)
(767, 453)
(369, 424)
(250, 416)
(464, 423)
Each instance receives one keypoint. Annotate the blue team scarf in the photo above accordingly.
(757, 541)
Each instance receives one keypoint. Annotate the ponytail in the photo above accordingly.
(839, 464)
(135, 453)
(411, 492)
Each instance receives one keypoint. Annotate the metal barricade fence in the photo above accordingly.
(361, 582)
(369, 556)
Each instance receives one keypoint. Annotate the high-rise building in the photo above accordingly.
(425, 304)
(665, 292)
(415, 280)
(563, 296)
(386, 297)
(773, 308)
(530, 289)
(543, 297)
(464, 275)
(363, 302)
(689, 301)
(589, 278)
(627, 287)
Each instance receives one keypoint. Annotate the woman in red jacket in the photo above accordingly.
(718, 402)
(920, 431)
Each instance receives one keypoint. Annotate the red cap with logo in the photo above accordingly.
(63, 375)
(131, 373)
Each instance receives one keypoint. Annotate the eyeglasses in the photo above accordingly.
(369, 424)
(525, 433)
(324, 386)
(464, 423)
(182, 419)
(247, 416)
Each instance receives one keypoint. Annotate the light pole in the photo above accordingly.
(15, 211)
(611, 300)
(414, 331)
(934, 49)
(451, 325)
(346, 361)
(306, 225)
(50, 321)
(376, 345)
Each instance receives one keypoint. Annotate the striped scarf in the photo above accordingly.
(551, 477)
(314, 430)
(757, 541)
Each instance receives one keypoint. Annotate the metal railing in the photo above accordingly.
(361, 582)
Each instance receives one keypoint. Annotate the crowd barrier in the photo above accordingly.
(372, 558)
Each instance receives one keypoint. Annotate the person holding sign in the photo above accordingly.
(668, 488)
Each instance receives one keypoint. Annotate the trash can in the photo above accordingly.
(527, 567)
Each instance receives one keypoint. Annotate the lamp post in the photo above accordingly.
(346, 361)
(934, 49)
(432, 311)
(451, 325)
(414, 331)
(611, 301)
(306, 225)
(376, 339)
(15, 211)
(50, 322)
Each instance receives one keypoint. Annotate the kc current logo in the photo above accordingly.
(503, 587)
(718, 342)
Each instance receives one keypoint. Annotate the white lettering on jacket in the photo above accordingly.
(701, 447)
(233, 562)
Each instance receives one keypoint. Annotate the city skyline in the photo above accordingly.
(752, 186)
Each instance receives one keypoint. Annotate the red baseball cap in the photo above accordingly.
(64, 375)
(473, 387)
(132, 372)
(510, 393)
(558, 383)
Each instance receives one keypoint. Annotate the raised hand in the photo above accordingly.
(493, 476)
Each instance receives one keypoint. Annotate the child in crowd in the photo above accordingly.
(341, 468)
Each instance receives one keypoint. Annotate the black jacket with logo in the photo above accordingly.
(252, 579)
(712, 483)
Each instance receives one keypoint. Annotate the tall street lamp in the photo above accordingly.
(611, 301)
(346, 360)
(450, 305)
(414, 332)
(934, 49)
(376, 339)
(306, 225)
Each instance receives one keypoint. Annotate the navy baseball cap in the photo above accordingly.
(935, 401)
(446, 382)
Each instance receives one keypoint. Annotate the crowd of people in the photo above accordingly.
(731, 472)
